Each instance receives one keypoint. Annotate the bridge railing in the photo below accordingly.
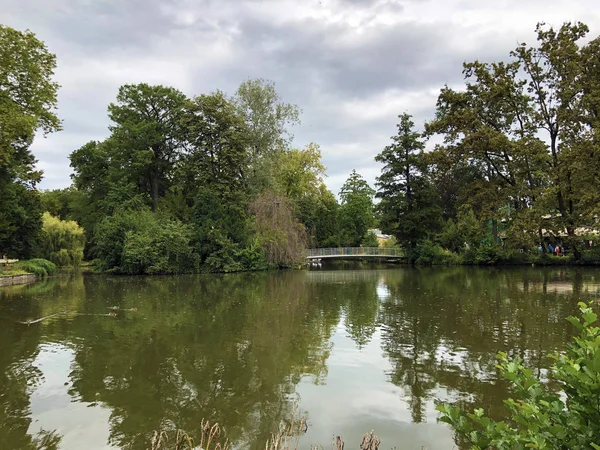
(353, 251)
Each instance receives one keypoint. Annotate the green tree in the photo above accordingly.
(143, 242)
(214, 173)
(20, 220)
(28, 100)
(409, 208)
(300, 177)
(554, 72)
(528, 127)
(356, 213)
(61, 241)
(280, 234)
(267, 119)
(147, 135)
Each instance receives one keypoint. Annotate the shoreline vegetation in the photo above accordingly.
(214, 182)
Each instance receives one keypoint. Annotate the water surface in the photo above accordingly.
(356, 347)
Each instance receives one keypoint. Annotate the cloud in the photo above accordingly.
(351, 65)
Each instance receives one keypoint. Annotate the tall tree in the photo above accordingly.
(356, 213)
(267, 118)
(408, 206)
(147, 131)
(28, 100)
(214, 171)
(554, 71)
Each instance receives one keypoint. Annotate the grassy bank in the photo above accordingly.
(39, 267)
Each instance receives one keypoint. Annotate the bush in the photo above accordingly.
(591, 256)
(430, 253)
(233, 258)
(37, 266)
(141, 242)
(540, 418)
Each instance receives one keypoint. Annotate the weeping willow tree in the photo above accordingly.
(281, 235)
(62, 241)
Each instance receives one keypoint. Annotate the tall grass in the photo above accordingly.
(287, 437)
(37, 266)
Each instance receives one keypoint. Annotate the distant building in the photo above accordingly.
(381, 238)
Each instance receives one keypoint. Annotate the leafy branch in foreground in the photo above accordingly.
(539, 418)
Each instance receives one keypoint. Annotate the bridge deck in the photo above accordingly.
(354, 252)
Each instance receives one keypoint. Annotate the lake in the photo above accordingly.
(352, 346)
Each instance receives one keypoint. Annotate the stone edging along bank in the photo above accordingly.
(9, 280)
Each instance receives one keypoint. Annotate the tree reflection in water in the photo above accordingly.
(233, 348)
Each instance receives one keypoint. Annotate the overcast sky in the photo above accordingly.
(351, 65)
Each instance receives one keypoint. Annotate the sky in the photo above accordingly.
(352, 66)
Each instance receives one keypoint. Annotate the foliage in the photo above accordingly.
(281, 236)
(20, 220)
(37, 266)
(61, 241)
(300, 178)
(539, 417)
(523, 131)
(430, 253)
(142, 242)
(356, 214)
(266, 118)
(408, 204)
(370, 239)
(28, 100)
(147, 135)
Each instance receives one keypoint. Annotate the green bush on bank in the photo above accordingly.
(540, 418)
(428, 252)
(141, 242)
(38, 266)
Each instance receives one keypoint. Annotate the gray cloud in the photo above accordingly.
(351, 65)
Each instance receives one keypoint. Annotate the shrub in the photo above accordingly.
(430, 253)
(540, 418)
(37, 266)
(232, 258)
(141, 242)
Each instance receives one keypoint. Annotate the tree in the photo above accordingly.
(267, 119)
(147, 135)
(280, 234)
(300, 177)
(408, 206)
(214, 172)
(528, 127)
(356, 209)
(28, 100)
(61, 241)
(20, 220)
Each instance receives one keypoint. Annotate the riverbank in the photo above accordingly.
(22, 278)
